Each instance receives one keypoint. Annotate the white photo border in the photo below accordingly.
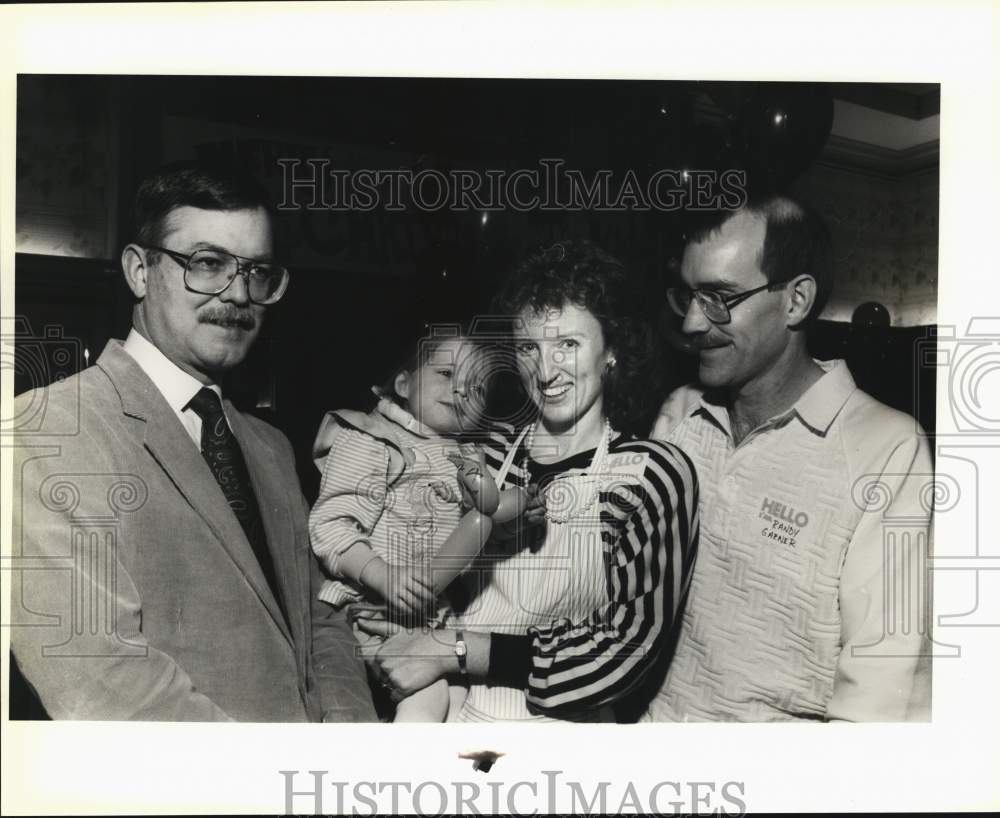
(67, 768)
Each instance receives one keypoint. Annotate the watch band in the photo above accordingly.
(461, 651)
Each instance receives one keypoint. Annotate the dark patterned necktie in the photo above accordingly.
(225, 458)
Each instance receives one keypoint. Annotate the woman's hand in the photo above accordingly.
(408, 662)
(512, 505)
(534, 510)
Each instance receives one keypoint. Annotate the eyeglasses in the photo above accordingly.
(716, 307)
(210, 272)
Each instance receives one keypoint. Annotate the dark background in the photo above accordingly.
(85, 142)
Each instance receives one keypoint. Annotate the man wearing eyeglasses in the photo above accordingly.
(195, 600)
(809, 598)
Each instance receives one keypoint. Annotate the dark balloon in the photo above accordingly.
(871, 314)
(779, 131)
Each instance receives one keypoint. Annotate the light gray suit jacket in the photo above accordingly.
(137, 594)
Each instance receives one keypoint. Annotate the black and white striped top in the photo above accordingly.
(580, 655)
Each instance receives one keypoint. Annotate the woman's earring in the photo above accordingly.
(612, 363)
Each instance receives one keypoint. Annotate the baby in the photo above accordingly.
(404, 505)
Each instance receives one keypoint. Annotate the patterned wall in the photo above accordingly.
(885, 234)
(66, 168)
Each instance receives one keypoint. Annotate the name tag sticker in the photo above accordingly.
(626, 464)
(782, 523)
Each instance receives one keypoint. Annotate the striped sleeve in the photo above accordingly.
(496, 444)
(587, 664)
(351, 495)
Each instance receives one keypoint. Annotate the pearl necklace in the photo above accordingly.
(558, 512)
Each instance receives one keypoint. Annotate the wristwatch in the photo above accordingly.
(461, 651)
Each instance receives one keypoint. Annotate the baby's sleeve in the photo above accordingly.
(352, 494)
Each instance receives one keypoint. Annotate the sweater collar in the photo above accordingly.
(391, 410)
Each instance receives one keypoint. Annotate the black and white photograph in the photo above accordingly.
(560, 415)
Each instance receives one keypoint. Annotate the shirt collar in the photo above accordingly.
(176, 385)
(822, 401)
(817, 408)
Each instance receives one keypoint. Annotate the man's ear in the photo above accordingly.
(402, 385)
(801, 297)
(136, 269)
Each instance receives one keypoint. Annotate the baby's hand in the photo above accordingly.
(479, 490)
(446, 492)
(408, 590)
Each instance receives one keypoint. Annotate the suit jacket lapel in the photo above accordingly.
(168, 442)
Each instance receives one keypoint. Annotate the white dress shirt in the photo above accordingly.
(176, 385)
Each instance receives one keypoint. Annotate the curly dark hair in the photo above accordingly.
(581, 273)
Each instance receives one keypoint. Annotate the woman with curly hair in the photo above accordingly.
(582, 600)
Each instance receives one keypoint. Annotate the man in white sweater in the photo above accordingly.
(809, 599)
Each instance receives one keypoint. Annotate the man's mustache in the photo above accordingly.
(229, 317)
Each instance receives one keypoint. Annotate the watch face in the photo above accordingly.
(460, 649)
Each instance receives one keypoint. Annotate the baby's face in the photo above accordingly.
(444, 393)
